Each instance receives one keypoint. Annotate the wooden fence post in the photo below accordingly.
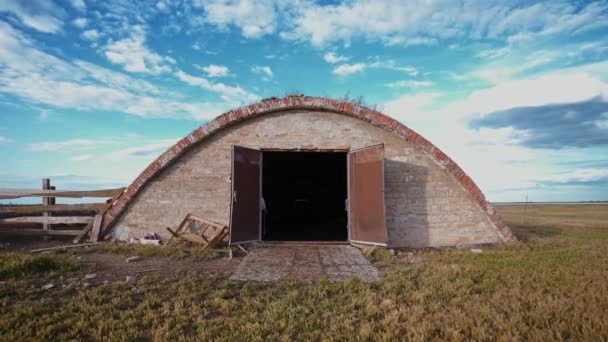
(46, 185)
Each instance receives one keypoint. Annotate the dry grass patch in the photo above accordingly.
(18, 265)
(176, 251)
(550, 287)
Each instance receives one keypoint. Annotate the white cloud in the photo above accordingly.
(113, 79)
(265, 71)
(196, 46)
(134, 56)
(213, 70)
(411, 107)
(230, 94)
(410, 84)
(333, 58)
(39, 15)
(161, 6)
(499, 148)
(82, 157)
(348, 69)
(80, 22)
(496, 147)
(493, 53)
(409, 41)
(501, 70)
(577, 176)
(4, 139)
(79, 5)
(554, 88)
(603, 122)
(36, 76)
(89, 97)
(549, 89)
(254, 18)
(392, 65)
(74, 144)
(425, 22)
(143, 151)
(91, 35)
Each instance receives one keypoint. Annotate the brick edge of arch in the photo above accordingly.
(296, 102)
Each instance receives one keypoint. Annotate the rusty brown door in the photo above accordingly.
(366, 220)
(245, 203)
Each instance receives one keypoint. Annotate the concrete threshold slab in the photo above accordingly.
(269, 263)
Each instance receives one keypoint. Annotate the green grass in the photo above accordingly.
(552, 286)
(178, 252)
(18, 265)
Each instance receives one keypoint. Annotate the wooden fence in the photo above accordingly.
(50, 219)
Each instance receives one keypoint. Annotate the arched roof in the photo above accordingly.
(273, 105)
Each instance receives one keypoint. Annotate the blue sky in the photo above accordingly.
(516, 92)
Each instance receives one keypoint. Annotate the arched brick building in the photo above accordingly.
(307, 168)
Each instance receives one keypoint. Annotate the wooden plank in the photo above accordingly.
(50, 219)
(220, 235)
(193, 238)
(41, 232)
(17, 193)
(63, 247)
(181, 226)
(94, 237)
(83, 232)
(173, 235)
(207, 222)
(33, 209)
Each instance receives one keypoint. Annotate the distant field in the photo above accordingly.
(553, 285)
(556, 215)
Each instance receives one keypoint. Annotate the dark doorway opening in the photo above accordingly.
(305, 196)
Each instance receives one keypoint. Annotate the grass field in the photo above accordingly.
(551, 286)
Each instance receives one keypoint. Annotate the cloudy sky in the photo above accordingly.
(515, 91)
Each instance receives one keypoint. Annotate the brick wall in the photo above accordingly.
(425, 204)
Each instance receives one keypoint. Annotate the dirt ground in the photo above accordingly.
(108, 267)
(113, 267)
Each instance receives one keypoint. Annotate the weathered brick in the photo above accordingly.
(425, 152)
(426, 204)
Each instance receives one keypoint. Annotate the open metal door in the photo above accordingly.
(366, 218)
(246, 192)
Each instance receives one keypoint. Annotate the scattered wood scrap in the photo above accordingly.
(242, 249)
(208, 234)
(94, 237)
(83, 232)
(63, 247)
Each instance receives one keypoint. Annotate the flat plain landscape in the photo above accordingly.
(552, 285)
